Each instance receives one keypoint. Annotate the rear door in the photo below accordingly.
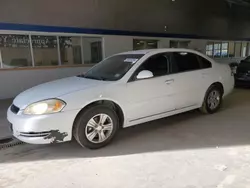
(190, 79)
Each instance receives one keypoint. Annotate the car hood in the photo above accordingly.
(54, 89)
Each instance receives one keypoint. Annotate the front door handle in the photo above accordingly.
(169, 81)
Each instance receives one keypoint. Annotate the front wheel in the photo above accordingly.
(96, 127)
(212, 101)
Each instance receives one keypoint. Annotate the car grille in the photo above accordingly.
(35, 134)
(14, 109)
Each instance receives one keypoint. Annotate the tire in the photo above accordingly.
(207, 107)
(88, 130)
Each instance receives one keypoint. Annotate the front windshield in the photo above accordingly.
(113, 68)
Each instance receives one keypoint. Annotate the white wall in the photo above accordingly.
(12, 82)
(199, 45)
(163, 43)
(116, 44)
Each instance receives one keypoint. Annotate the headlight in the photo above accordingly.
(45, 107)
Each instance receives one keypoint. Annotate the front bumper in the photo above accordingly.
(42, 129)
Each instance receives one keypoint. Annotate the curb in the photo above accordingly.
(8, 142)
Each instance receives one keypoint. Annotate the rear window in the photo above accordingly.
(204, 63)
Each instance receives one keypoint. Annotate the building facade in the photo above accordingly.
(47, 40)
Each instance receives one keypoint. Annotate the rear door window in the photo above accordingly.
(184, 61)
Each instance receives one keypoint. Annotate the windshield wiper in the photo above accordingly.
(80, 75)
(92, 77)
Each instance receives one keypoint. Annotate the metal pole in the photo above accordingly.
(235, 49)
(221, 49)
(82, 53)
(248, 49)
(58, 51)
(213, 49)
(31, 51)
(103, 49)
(1, 60)
(241, 49)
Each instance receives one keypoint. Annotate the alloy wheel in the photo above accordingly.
(213, 99)
(99, 128)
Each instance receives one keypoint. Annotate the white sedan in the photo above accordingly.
(121, 91)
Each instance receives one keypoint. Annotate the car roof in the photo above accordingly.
(159, 50)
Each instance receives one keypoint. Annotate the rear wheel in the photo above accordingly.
(213, 100)
(96, 127)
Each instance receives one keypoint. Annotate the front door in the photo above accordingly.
(153, 96)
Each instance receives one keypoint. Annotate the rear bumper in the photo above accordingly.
(42, 129)
(242, 83)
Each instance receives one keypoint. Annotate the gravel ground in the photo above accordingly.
(190, 150)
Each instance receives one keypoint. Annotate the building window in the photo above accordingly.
(45, 50)
(92, 50)
(173, 44)
(70, 50)
(209, 49)
(224, 49)
(227, 49)
(179, 44)
(15, 51)
(217, 49)
(42, 50)
(140, 44)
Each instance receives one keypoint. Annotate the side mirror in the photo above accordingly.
(144, 74)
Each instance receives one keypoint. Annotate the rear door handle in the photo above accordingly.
(204, 74)
(169, 81)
